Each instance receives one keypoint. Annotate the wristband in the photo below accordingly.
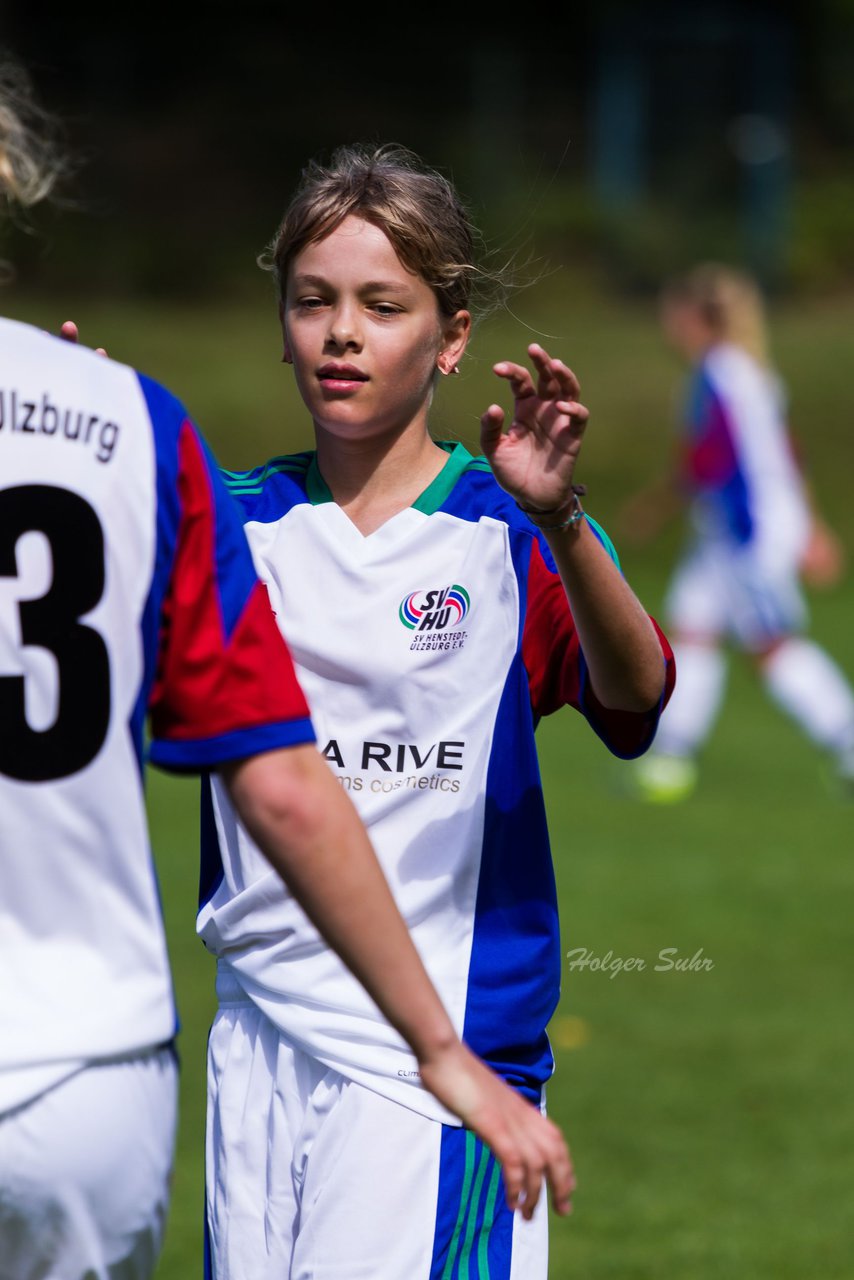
(574, 507)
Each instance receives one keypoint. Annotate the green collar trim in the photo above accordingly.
(433, 497)
(439, 490)
(244, 482)
(315, 486)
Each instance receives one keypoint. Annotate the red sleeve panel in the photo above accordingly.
(557, 671)
(225, 685)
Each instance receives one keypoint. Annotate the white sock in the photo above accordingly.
(810, 687)
(689, 715)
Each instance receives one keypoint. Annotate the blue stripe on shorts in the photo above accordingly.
(474, 1227)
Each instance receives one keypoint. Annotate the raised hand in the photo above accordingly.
(534, 459)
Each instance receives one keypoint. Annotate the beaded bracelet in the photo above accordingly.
(574, 506)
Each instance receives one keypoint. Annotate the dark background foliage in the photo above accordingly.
(625, 138)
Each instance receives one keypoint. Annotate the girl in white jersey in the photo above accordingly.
(754, 536)
(436, 605)
(123, 562)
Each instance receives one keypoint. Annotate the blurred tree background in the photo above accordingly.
(623, 139)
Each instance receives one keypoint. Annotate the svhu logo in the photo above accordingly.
(435, 610)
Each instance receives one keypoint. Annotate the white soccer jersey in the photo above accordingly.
(126, 586)
(427, 651)
(739, 464)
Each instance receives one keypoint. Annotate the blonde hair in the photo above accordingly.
(730, 302)
(29, 162)
(416, 206)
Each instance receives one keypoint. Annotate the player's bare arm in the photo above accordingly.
(300, 817)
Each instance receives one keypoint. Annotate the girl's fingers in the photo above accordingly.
(521, 382)
(555, 376)
(573, 409)
(567, 379)
(548, 385)
(69, 331)
(491, 427)
(513, 1177)
(533, 1182)
(556, 390)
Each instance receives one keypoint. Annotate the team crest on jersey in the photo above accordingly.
(435, 616)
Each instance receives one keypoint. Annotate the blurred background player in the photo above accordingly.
(755, 535)
(128, 597)
(426, 595)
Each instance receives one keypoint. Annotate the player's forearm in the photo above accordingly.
(299, 816)
(620, 645)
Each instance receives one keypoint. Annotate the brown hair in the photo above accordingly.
(416, 206)
(730, 302)
(29, 162)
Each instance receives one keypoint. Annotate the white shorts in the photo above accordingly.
(717, 592)
(84, 1173)
(310, 1176)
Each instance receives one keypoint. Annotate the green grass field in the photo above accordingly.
(710, 1111)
